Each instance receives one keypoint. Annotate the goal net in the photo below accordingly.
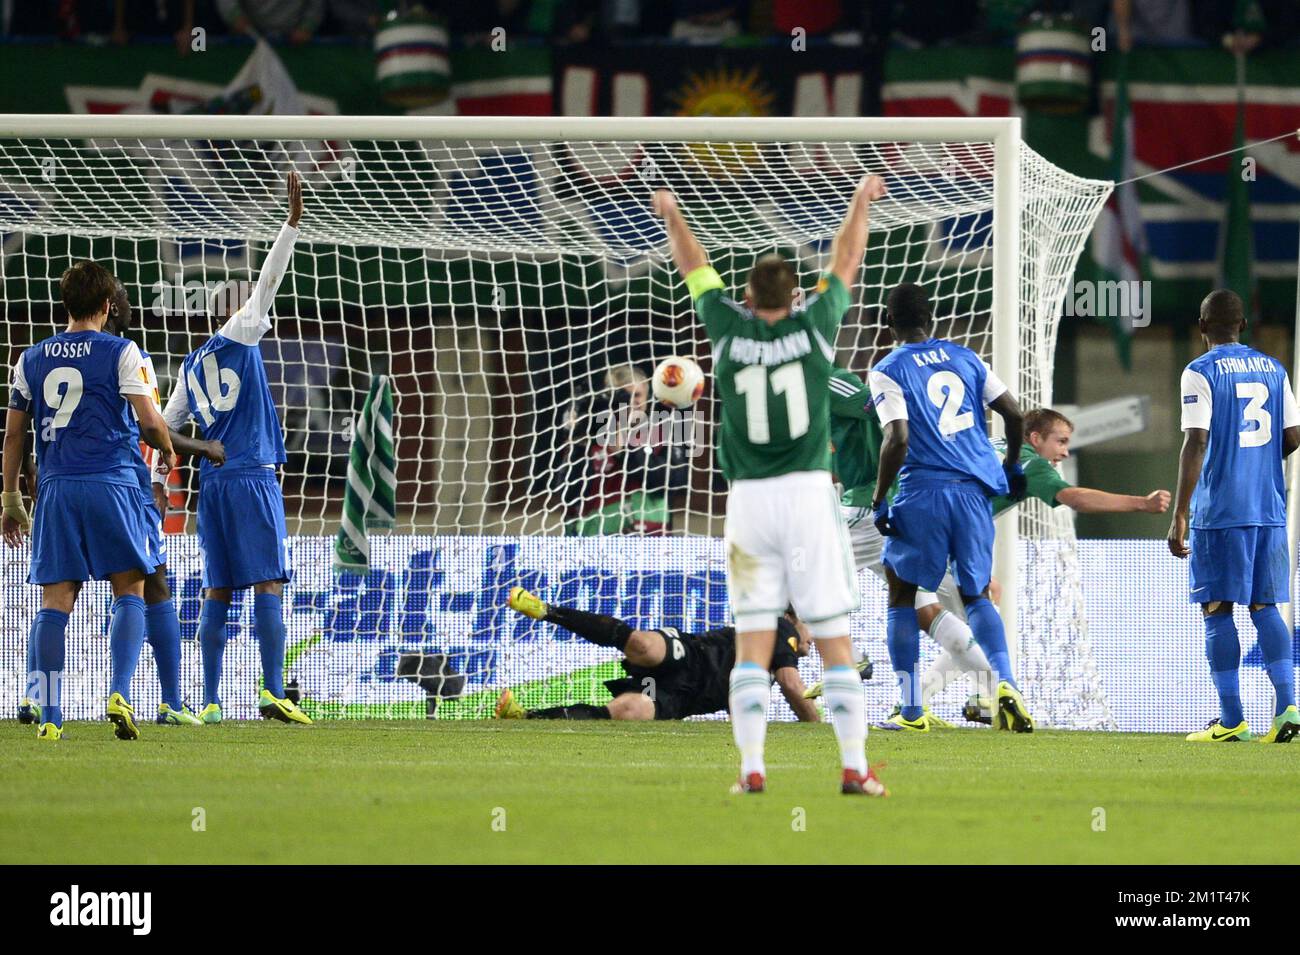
(511, 287)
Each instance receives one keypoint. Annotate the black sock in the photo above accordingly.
(595, 627)
(575, 711)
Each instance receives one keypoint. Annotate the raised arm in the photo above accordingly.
(850, 243)
(688, 254)
(253, 320)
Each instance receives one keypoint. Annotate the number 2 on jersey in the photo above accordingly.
(787, 381)
(1255, 393)
(946, 392)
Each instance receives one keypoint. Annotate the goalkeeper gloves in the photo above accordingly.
(880, 517)
(1017, 484)
(12, 501)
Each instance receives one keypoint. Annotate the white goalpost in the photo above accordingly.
(507, 277)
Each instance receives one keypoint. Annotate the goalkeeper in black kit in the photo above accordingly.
(670, 675)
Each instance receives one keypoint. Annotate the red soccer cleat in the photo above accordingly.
(854, 783)
(753, 783)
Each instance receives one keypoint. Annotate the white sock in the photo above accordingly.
(943, 670)
(958, 642)
(748, 702)
(842, 687)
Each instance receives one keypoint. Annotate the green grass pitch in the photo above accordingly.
(484, 792)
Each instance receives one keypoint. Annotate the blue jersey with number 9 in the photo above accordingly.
(940, 389)
(74, 386)
(1243, 398)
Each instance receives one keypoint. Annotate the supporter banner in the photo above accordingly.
(645, 80)
(351, 638)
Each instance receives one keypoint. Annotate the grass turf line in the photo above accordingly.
(429, 792)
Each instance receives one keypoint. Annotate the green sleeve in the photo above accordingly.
(827, 310)
(850, 396)
(1044, 481)
(705, 286)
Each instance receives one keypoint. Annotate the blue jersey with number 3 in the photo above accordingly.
(72, 385)
(1243, 398)
(940, 388)
(230, 400)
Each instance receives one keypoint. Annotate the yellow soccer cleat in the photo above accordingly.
(122, 715)
(896, 721)
(1013, 713)
(210, 714)
(528, 604)
(1216, 732)
(285, 710)
(49, 731)
(182, 717)
(508, 707)
(1286, 727)
(29, 712)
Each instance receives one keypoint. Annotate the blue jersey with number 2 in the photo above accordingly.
(940, 388)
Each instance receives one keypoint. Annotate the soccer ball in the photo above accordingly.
(678, 382)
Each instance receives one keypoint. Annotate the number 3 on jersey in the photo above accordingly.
(219, 392)
(787, 381)
(1255, 393)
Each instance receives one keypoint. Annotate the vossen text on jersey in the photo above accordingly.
(58, 349)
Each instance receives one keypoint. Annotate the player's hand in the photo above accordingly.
(1157, 502)
(664, 202)
(872, 188)
(1177, 538)
(160, 499)
(880, 517)
(215, 452)
(166, 461)
(15, 523)
(1017, 485)
(295, 199)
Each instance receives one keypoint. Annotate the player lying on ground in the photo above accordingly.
(930, 395)
(1240, 421)
(786, 542)
(241, 524)
(856, 436)
(161, 624)
(670, 675)
(91, 520)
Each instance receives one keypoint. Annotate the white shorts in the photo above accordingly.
(868, 546)
(787, 544)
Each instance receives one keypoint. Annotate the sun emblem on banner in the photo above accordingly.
(723, 92)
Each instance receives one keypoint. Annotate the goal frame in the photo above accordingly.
(1003, 132)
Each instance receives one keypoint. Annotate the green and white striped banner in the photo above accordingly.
(370, 498)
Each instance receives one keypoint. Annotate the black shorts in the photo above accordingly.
(692, 680)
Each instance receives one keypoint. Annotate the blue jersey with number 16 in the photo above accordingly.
(1243, 398)
(940, 388)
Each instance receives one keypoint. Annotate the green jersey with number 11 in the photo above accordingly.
(772, 379)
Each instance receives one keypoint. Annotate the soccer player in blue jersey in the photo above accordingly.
(80, 387)
(161, 624)
(1239, 421)
(241, 525)
(930, 395)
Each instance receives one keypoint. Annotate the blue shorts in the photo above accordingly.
(155, 542)
(1244, 565)
(938, 522)
(241, 529)
(85, 530)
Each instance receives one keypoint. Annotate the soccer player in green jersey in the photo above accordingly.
(786, 542)
(856, 436)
